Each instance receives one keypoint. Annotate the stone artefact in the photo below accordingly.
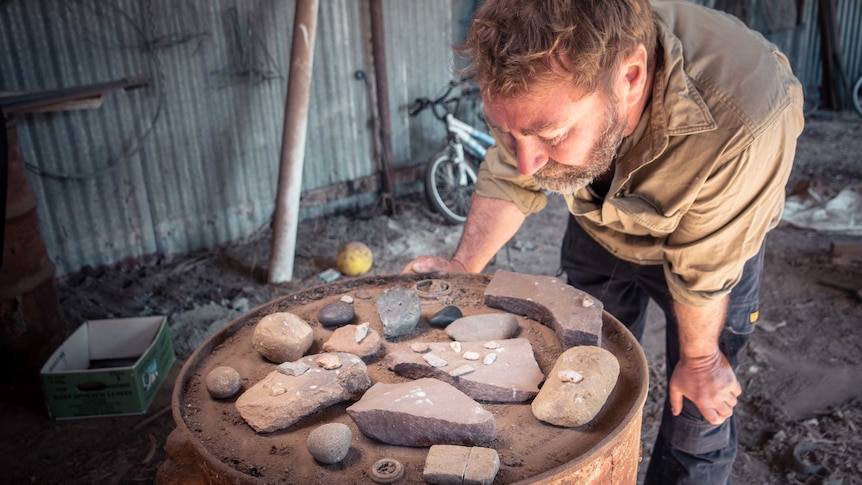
(279, 400)
(282, 337)
(508, 373)
(452, 464)
(585, 377)
(223, 382)
(343, 339)
(328, 361)
(336, 314)
(445, 316)
(399, 310)
(423, 412)
(292, 368)
(575, 316)
(330, 442)
(484, 326)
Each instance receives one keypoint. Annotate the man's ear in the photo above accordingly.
(633, 77)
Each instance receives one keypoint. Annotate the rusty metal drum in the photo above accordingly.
(29, 307)
(212, 444)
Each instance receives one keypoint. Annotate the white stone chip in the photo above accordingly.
(469, 355)
(456, 346)
(277, 390)
(328, 361)
(434, 360)
(569, 375)
(292, 368)
(489, 358)
(347, 299)
(588, 302)
(362, 331)
(462, 370)
(490, 345)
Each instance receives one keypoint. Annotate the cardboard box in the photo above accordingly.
(108, 368)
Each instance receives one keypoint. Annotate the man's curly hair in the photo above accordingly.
(516, 44)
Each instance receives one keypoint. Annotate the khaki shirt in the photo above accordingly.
(701, 180)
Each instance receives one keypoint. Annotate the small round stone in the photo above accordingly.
(336, 314)
(223, 382)
(329, 443)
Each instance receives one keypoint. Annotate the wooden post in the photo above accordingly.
(286, 216)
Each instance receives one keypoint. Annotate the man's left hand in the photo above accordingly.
(709, 382)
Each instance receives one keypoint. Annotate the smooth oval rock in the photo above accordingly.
(485, 326)
(336, 314)
(329, 443)
(568, 403)
(282, 337)
(223, 382)
(445, 316)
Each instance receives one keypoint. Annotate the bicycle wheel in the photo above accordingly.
(446, 191)
(857, 96)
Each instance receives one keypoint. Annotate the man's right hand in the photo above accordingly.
(489, 225)
(433, 264)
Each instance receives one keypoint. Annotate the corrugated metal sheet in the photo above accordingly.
(799, 36)
(192, 160)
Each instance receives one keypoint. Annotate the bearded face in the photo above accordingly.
(567, 179)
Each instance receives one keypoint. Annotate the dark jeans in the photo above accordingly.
(688, 449)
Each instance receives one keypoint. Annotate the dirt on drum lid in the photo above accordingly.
(212, 438)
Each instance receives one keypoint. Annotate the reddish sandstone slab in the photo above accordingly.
(513, 375)
(575, 316)
(423, 412)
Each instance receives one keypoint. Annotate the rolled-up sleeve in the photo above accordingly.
(727, 223)
(499, 179)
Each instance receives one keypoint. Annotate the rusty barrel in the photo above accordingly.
(212, 444)
(29, 306)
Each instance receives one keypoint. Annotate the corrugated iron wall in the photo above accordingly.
(796, 32)
(191, 160)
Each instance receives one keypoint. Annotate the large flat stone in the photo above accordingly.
(513, 376)
(423, 412)
(575, 316)
(280, 400)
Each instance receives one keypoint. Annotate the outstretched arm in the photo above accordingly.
(490, 224)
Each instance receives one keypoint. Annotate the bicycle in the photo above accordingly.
(450, 176)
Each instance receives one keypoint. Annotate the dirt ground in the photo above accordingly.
(800, 376)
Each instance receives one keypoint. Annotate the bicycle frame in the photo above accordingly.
(476, 141)
(469, 136)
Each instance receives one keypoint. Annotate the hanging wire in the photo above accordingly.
(151, 52)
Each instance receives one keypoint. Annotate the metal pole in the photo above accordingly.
(286, 216)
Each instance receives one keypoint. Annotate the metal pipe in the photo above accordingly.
(381, 83)
(286, 217)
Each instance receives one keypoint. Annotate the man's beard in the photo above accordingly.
(568, 179)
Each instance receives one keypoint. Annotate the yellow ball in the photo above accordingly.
(354, 258)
